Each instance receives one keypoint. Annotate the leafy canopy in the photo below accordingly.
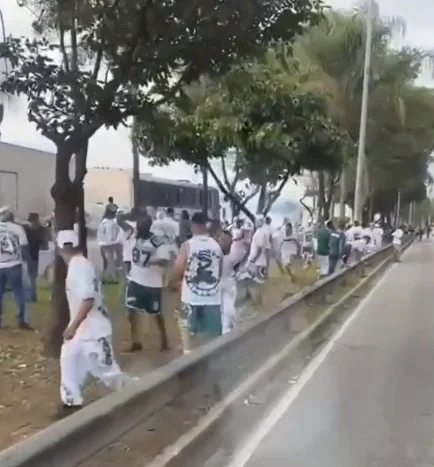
(138, 54)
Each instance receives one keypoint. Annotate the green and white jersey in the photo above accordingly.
(146, 251)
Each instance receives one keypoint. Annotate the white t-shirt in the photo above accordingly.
(168, 227)
(397, 236)
(260, 240)
(201, 282)
(355, 233)
(12, 238)
(127, 239)
(108, 233)
(239, 247)
(144, 251)
(82, 284)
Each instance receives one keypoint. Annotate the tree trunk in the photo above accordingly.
(205, 189)
(260, 207)
(136, 168)
(66, 195)
(321, 196)
(80, 172)
(343, 189)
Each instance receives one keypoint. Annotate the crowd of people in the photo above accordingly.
(210, 265)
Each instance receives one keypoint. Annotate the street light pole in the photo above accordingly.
(358, 200)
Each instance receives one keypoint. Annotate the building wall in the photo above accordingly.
(26, 177)
(100, 183)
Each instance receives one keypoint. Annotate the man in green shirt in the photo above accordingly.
(323, 249)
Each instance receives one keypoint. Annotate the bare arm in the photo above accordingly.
(180, 265)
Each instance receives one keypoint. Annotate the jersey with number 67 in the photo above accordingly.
(145, 253)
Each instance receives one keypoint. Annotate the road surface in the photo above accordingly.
(368, 399)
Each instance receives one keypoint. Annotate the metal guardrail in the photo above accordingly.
(215, 369)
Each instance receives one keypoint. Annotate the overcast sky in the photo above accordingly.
(112, 148)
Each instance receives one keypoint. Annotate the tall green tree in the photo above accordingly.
(107, 49)
(333, 53)
(275, 126)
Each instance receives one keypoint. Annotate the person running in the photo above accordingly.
(149, 259)
(127, 241)
(397, 243)
(37, 239)
(323, 249)
(355, 236)
(260, 252)
(336, 245)
(288, 248)
(307, 243)
(198, 269)
(228, 281)
(87, 346)
(108, 238)
(14, 252)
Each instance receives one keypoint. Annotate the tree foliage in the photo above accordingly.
(397, 153)
(276, 127)
(96, 63)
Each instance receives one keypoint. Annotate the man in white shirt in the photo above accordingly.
(150, 257)
(355, 237)
(13, 250)
(289, 247)
(378, 235)
(127, 240)
(108, 238)
(198, 268)
(397, 243)
(260, 251)
(307, 243)
(87, 346)
(228, 281)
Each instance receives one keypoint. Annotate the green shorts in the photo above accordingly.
(202, 320)
(144, 299)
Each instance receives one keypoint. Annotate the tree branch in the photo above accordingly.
(230, 195)
(276, 193)
(308, 209)
(225, 173)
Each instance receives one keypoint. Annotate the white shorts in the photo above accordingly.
(289, 250)
(78, 359)
(323, 265)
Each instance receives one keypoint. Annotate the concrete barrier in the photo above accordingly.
(215, 369)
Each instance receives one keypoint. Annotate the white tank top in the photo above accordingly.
(201, 283)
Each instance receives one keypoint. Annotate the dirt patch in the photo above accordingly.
(29, 392)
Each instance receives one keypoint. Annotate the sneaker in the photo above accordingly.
(25, 326)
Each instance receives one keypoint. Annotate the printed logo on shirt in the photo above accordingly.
(201, 270)
(10, 249)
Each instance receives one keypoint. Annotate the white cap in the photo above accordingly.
(67, 237)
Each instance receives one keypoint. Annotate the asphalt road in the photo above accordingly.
(368, 398)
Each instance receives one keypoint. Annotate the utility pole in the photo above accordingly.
(398, 209)
(358, 201)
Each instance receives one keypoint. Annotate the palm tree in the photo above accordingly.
(333, 53)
